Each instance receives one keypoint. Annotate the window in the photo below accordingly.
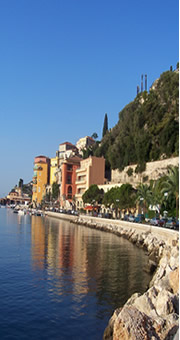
(69, 192)
(69, 167)
(39, 189)
(69, 179)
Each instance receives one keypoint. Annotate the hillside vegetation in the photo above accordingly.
(148, 127)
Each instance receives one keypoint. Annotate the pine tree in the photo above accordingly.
(105, 127)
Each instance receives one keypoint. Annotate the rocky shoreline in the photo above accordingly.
(154, 314)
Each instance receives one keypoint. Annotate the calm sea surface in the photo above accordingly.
(62, 281)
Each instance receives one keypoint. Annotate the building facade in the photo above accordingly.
(91, 171)
(68, 182)
(40, 178)
(66, 150)
(53, 170)
(84, 143)
(17, 197)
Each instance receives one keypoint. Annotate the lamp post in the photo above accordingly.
(93, 201)
(141, 201)
(165, 201)
(117, 200)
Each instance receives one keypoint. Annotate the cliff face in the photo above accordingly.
(148, 127)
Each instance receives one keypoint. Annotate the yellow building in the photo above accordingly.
(40, 178)
(53, 170)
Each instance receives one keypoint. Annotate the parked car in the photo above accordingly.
(131, 218)
(126, 218)
(162, 222)
(107, 215)
(171, 223)
(74, 212)
(154, 221)
(177, 224)
(139, 218)
(62, 211)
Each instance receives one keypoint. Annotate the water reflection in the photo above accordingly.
(80, 261)
(60, 280)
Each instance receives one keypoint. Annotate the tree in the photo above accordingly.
(144, 195)
(171, 185)
(55, 190)
(94, 135)
(120, 197)
(20, 183)
(105, 127)
(93, 194)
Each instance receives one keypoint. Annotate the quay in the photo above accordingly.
(113, 225)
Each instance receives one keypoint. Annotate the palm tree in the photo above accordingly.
(171, 185)
(157, 196)
(144, 195)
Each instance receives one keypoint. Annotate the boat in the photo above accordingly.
(21, 212)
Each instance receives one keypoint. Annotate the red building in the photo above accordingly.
(68, 182)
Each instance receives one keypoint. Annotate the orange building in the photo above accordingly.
(40, 178)
(91, 171)
(68, 182)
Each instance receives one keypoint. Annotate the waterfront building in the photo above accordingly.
(66, 150)
(17, 197)
(91, 171)
(53, 170)
(40, 178)
(68, 181)
(84, 143)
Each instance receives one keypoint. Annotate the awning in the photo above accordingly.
(90, 207)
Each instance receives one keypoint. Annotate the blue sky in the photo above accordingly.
(65, 63)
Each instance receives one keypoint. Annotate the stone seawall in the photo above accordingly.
(155, 314)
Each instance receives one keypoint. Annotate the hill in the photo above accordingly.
(148, 127)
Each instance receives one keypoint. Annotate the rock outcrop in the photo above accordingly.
(155, 314)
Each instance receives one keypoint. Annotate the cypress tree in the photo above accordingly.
(105, 127)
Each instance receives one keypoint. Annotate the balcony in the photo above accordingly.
(80, 181)
(79, 195)
(36, 167)
(81, 170)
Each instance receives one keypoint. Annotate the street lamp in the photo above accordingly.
(141, 200)
(117, 200)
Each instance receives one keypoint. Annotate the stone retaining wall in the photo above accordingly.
(153, 171)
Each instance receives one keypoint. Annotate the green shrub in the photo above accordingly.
(130, 172)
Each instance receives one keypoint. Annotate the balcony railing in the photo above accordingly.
(81, 169)
(80, 181)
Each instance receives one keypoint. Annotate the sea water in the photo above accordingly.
(59, 280)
